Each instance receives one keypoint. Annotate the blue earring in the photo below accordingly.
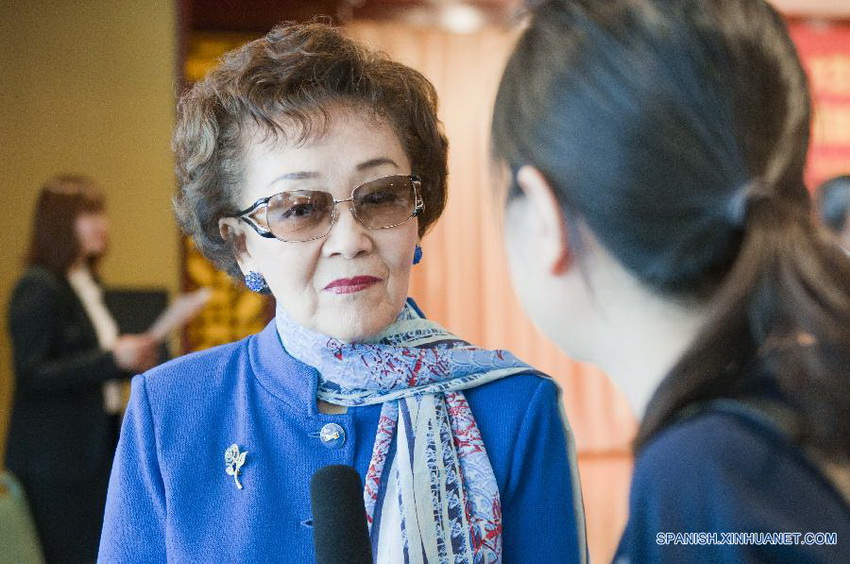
(417, 255)
(255, 281)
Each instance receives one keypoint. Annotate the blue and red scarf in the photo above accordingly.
(433, 498)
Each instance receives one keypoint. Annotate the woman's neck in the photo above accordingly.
(647, 351)
(642, 335)
(79, 268)
(81, 263)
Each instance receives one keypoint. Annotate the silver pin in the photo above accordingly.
(234, 461)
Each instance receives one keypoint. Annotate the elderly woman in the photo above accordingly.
(661, 228)
(312, 167)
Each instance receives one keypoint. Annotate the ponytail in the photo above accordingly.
(784, 307)
(784, 310)
(677, 132)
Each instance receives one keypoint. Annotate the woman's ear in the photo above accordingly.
(234, 235)
(548, 225)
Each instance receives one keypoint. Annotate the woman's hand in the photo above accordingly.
(136, 353)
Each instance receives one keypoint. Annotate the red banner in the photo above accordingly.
(825, 50)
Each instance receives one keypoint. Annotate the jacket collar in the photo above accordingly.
(285, 377)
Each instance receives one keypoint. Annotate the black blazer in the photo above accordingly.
(58, 429)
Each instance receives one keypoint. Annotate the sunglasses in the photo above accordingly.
(305, 215)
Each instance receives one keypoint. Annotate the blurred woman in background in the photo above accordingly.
(658, 225)
(67, 354)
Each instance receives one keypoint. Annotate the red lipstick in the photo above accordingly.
(351, 285)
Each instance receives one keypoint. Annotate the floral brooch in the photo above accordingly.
(234, 460)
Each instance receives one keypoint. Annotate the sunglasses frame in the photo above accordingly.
(245, 215)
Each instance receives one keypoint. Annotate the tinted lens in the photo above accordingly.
(300, 216)
(385, 202)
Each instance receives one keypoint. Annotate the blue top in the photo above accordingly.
(730, 469)
(170, 497)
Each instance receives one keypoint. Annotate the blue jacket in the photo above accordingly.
(733, 477)
(171, 499)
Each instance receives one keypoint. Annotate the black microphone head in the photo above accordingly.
(340, 533)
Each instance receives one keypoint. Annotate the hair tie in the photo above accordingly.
(742, 200)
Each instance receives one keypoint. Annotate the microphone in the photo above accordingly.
(340, 533)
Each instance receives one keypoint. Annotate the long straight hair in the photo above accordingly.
(54, 244)
(677, 131)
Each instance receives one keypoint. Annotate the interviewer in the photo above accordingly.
(658, 225)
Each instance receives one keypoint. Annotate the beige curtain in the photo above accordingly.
(463, 281)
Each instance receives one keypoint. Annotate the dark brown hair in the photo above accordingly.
(677, 131)
(54, 244)
(285, 86)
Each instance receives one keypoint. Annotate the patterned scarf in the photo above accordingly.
(430, 493)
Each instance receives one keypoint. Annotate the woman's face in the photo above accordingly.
(352, 283)
(551, 286)
(92, 230)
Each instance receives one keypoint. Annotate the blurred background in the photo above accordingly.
(90, 86)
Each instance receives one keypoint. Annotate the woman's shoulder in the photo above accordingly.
(197, 370)
(723, 435)
(513, 406)
(39, 278)
(37, 292)
(724, 457)
(717, 444)
(725, 469)
(516, 390)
